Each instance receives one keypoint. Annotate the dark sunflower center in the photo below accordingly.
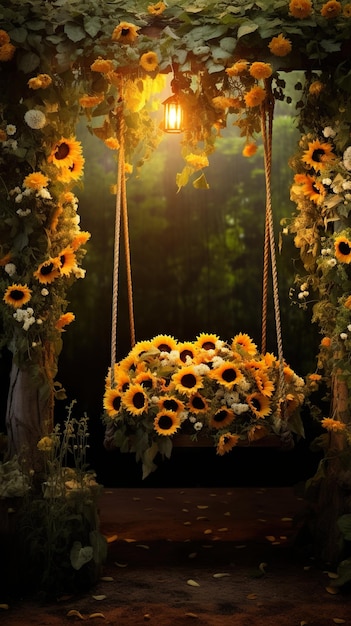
(125, 386)
(170, 404)
(17, 294)
(220, 416)
(317, 155)
(147, 383)
(139, 400)
(47, 269)
(164, 347)
(165, 422)
(116, 403)
(62, 151)
(62, 259)
(188, 380)
(229, 375)
(124, 32)
(315, 188)
(184, 353)
(344, 248)
(208, 345)
(256, 404)
(198, 403)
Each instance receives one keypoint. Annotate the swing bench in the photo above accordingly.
(205, 393)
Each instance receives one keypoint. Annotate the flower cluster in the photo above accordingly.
(228, 392)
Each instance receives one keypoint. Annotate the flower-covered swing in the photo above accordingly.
(210, 390)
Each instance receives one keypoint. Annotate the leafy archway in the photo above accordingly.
(60, 61)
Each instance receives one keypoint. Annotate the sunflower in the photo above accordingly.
(198, 161)
(347, 10)
(88, 102)
(255, 96)
(264, 384)
(41, 81)
(64, 320)
(164, 343)
(238, 68)
(7, 51)
(125, 33)
(197, 403)
(80, 239)
(227, 374)
(166, 423)
(259, 404)
(300, 8)
(47, 271)
(289, 405)
(112, 143)
(135, 400)
(187, 351)
(347, 303)
(67, 260)
(331, 9)
(313, 189)
(221, 418)
(342, 247)
(244, 343)
(187, 380)
(257, 432)
(4, 37)
(260, 70)
(156, 9)
(55, 218)
(316, 87)
(17, 295)
(74, 171)
(146, 379)
(318, 154)
(112, 401)
(206, 341)
(226, 443)
(280, 46)
(65, 152)
(149, 61)
(35, 181)
(104, 66)
(172, 404)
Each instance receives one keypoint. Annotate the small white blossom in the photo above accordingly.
(15, 190)
(201, 369)
(154, 399)
(325, 251)
(23, 212)
(39, 321)
(10, 269)
(78, 272)
(11, 129)
(35, 119)
(343, 336)
(347, 158)
(332, 262)
(327, 181)
(44, 292)
(44, 193)
(192, 419)
(27, 191)
(306, 293)
(304, 286)
(301, 295)
(28, 322)
(198, 425)
(346, 184)
(328, 131)
(240, 407)
(19, 198)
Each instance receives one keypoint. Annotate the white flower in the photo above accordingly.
(79, 272)
(44, 193)
(19, 198)
(347, 158)
(328, 131)
(346, 184)
(11, 129)
(198, 425)
(192, 419)
(331, 262)
(23, 212)
(10, 269)
(301, 295)
(39, 321)
(28, 322)
(44, 292)
(240, 407)
(325, 251)
(343, 336)
(349, 328)
(35, 119)
(327, 181)
(304, 286)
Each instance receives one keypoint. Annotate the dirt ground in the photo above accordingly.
(214, 557)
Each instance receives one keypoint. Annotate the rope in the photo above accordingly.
(121, 210)
(267, 112)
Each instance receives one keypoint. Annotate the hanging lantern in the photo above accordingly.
(173, 115)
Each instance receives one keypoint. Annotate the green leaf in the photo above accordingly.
(18, 35)
(201, 182)
(28, 62)
(247, 28)
(228, 43)
(344, 573)
(74, 31)
(92, 25)
(79, 555)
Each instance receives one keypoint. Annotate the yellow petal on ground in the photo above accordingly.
(252, 596)
(241, 546)
(128, 540)
(74, 613)
(208, 531)
(5, 607)
(111, 538)
(142, 545)
(307, 568)
(136, 499)
(159, 498)
(221, 575)
(100, 597)
(270, 538)
(92, 615)
(186, 523)
(192, 583)
(202, 506)
(185, 510)
(227, 513)
(339, 620)
(191, 615)
(222, 530)
(332, 575)
(121, 564)
(201, 518)
(286, 519)
(332, 590)
(192, 555)
(107, 579)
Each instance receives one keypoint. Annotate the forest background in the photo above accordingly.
(197, 263)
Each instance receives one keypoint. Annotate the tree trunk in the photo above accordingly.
(30, 410)
(335, 489)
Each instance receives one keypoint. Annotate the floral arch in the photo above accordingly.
(59, 61)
